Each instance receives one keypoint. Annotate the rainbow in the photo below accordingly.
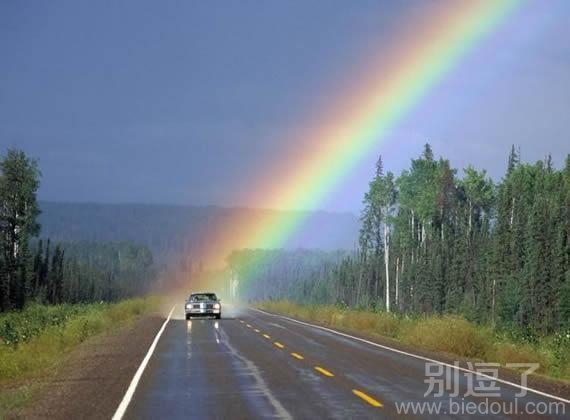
(386, 92)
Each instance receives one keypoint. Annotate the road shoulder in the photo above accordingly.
(92, 379)
(541, 383)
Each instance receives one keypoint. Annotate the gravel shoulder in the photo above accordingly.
(91, 381)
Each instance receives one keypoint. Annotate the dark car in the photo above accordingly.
(203, 304)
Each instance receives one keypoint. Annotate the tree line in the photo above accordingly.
(302, 274)
(432, 241)
(35, 270)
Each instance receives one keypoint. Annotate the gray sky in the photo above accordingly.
(184, 101)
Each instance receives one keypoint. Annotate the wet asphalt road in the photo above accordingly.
(252, 365)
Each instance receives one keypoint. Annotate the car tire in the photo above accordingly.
(219, 316)
(187, 317)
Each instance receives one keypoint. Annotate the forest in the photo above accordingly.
(434, 241)
(38, 271)
(170, 231)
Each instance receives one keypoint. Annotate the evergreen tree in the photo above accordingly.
(19, 182)
(498, 254)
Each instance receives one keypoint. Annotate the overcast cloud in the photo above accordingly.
(182, 102)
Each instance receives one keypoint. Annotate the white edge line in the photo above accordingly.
(122, 408)
(519, 386)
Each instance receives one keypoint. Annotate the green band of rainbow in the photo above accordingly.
(416, 67)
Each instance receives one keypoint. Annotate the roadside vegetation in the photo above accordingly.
(55, 296)
(33, 270)
(37, 339)
(39, 336)
(450, 334)
(448, 262)
(433, 242)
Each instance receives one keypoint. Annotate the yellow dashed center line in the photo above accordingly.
(373, 402)
(367, 398)
(324, 371)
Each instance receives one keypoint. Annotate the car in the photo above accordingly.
(203, 304)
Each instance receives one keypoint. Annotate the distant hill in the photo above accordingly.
(170, 230)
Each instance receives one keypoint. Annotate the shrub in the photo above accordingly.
(450, 334)
(38, 336)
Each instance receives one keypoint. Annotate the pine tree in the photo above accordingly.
(19, 182)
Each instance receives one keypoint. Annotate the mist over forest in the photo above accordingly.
(437, 240)
(173, 231)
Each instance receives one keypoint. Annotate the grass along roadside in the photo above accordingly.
(36, 339)
(448, 334)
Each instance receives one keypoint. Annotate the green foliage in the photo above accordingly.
(449, 334)
(21, 326)
(19, 181)
(13, 399)
(271, 274)
(33, 339)
(445, 245)
(34, 271)
(376, 217)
